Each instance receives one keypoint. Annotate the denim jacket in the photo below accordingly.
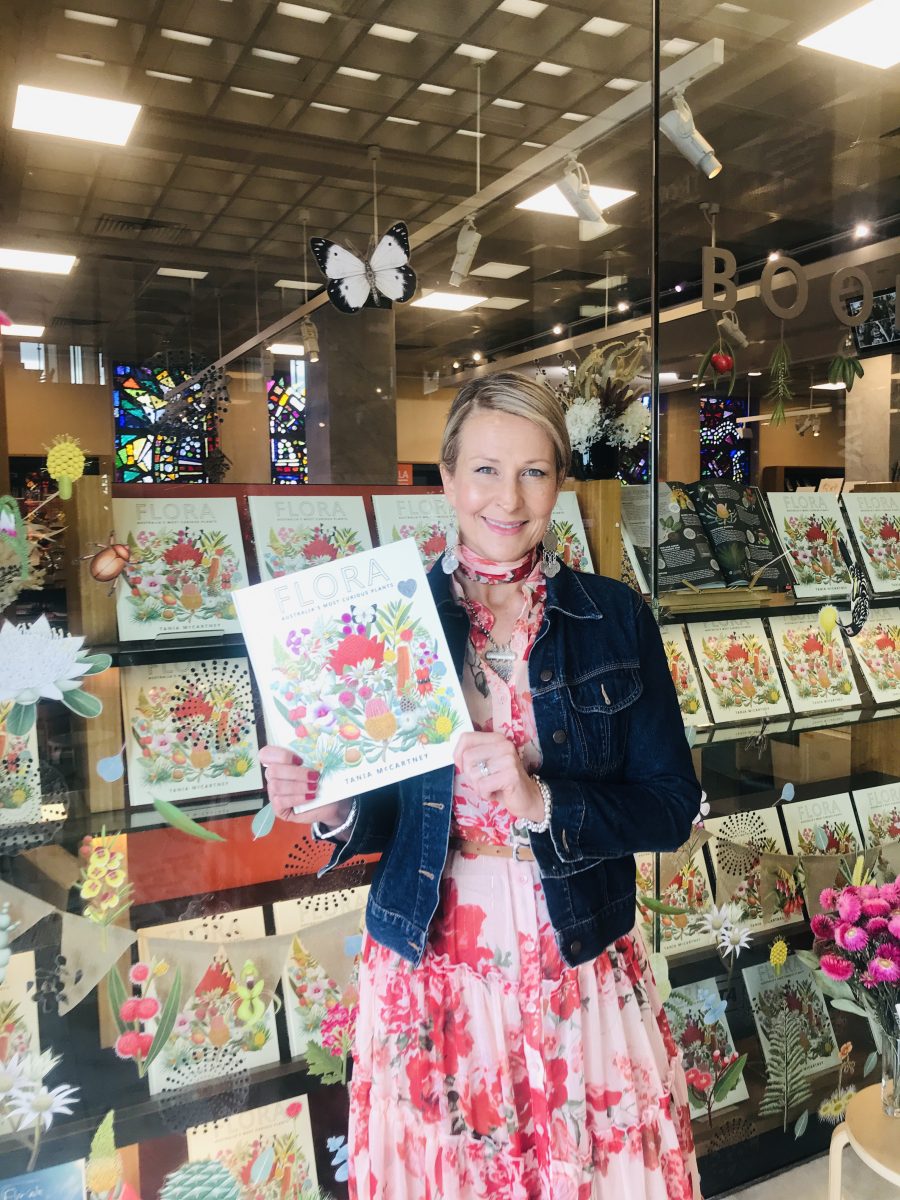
(614, 756)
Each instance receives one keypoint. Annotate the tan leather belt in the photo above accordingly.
(521, 852)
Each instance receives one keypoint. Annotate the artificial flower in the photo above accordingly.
(38, 1106)
(836, 967)
(733, 940)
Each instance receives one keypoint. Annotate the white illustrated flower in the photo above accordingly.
(14, 1074)
(718, 921)
(733, 940)
(40, 1105)
(38, 662)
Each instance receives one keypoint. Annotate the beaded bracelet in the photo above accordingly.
(321, 834)
(544, 824)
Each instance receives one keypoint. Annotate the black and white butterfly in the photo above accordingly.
(354, 282)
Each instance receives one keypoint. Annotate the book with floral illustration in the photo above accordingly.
(810, 526)
(740, 533)
(685, 555)
(738, 671)
(825, 825)
(699, 1025)
(684, 883)
(878, 810)
(816, 666)
(19, 1033)
(267, 1151)
(20, 776)
(687, 685)
(186, 559)
(353, 670)
(291, 533)
(190, 730)
(738, 843)
(65, 1181)
(796, 988)
(875, 520)
(645, 879)
(877, 650)
(571, 540)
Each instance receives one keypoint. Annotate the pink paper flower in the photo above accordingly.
(848, 906)
(823, 927)
(828, 898)
(294, 1109)
(147, 1008)
(128, 1009)
(876, 926)
(127, 1045)
(836, 967)
(894, 925)
(876, 907)
(139, 973)
(851, 937)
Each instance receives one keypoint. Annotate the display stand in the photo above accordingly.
(600, 501)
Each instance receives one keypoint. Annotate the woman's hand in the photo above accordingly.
(506, 781)
(289, 783)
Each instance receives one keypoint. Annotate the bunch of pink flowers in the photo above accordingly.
(858, 943)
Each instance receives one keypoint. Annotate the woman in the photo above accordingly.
(510, 1042)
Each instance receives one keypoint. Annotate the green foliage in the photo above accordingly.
(166, 1021)
(206, 1180)
(117, 997)
(780, 391)
(20, 720)
(730, 1079)
(179, 820)
(786, 1083)
(845, 369)
(326, 1066)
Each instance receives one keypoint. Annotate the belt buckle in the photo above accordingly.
(519, 840)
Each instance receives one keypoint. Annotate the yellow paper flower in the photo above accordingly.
(65, 463)
(828, 619)
(778, 955)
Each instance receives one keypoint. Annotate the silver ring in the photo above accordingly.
(484, 768)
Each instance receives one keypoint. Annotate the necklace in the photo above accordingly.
(499, 658)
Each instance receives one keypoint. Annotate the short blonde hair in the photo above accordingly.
(508, 392)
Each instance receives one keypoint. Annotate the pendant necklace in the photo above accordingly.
(500, 659)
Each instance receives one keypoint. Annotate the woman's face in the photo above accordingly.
(504, 486)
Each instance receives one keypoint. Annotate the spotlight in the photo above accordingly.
(476, 356)
(466, 245)
(456, 365)
(310, 337)
(774, 256)
(576, 187)
(623, 306)
(862, 230)
(557, 330)
(588, 230)
(678, 126)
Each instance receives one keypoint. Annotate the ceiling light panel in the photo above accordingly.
(68, 114)
(523, 8)
(303, 13)
(573, 116)
(551, 200)
(479, 53)
(193, 39)
(604, 27)
(299, 285)
(288, 349)
(392, 33)
(402, 121)
(436, 89)
(501, 103)
(358, 73)
(498, 270)
(675, 47)
(36, 260)
(275, 55)
(242, 91)
(181, 273)
(470, 133)
(83, 59)
(335, 108)
(609, 281)
(22, 331)
(88, 18)
(869, 35)
(549, 68)
(168, 75)
(447, 301)
(502, 302)
(536, 145)
(622, 84)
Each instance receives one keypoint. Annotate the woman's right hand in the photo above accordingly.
(290, 783)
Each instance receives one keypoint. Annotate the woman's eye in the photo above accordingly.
(536, 473)
(483, 470)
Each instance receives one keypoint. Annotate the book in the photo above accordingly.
(877, 651)
(684, 676)
(816, 666)
(700, 1028)
(645, 881)
(796, 988)
(810, 527)
(190, 730)
(294, 532)
(684, 883)
(878, 813)
(20, 776)
(711, 534)
(187, 557)
(353, 670)
(739, 841)
(269, 1151)
(736, 665)
(823, 825)
(65, 1181)
(875, 520)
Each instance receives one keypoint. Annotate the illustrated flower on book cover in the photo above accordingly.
(688, 889)
(884, 826)
(816, 661)
(272, 1166)
(828, 837)
(812, 544)
(293, 549)
(739, 669)
(814, 1033)
(680, 670)
(568, 544)
(177, 575)
(878, 645)
(430, 537)
(20, 784)
(879, 537)
(742, 841)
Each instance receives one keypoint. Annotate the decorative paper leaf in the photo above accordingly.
(802, 1122)
(821, 839)
(834, 989)
(112, 768)
(262, 1167)
(787, 793)
(20, 720)
(786, 1083)
(98, 663)
(659, 965)
(166, 1020)
(849, 1006)
(117, 997)
(690, 732)
(808, 958)
(871, 1063)
(179, 820)
(657, 906)
(730, 1079)
(82, 703)
(263, 823)
(320, 1062)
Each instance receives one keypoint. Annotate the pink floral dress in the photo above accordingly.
(494, 1071)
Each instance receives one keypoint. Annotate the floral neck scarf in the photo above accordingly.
(484, 570)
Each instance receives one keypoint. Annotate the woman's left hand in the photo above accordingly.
(493, 768)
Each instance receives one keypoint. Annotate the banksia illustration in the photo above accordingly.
(65, 463)
(206, 1180)
(381, 724)
(103, 1173)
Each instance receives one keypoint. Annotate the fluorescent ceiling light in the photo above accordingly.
(289, 349)
(36, 260)
(502, 302)
(536, 145)
(23, 331)
(573, 116)
(869, 35)
(448, 301)
(594, 310)
(357, 73)
(275, 55)
(609, 281)
(402, 121)
(303, 13)
(168, 75)
(392, 33)
(668, 377)
(300, 285)
(470, 133)
(498, 270)
(181, 273)
(732, 8)
(501, 103)
(75, 14)
(622, 84)
(551, 200)
(549, 68)
(523, 8)
(252, 92)
(675, 47)
(40, 110)
(604, 27)
(480, 53)
(338, 108)
(436, 89)
(84, 59)
(178, 35)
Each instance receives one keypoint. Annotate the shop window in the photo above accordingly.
(723, 453)
(286, 395)
(145, 452)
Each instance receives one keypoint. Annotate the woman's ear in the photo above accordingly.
(447, 481)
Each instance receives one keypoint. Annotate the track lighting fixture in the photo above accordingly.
(310, 337)
(576, 187)
(678, 126)
(466, 246)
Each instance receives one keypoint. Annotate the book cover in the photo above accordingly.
(810, 526)
(685, 555)
(796, 988)
(645, 879)
(20, 776)
(63, 1182)
(190, 730)
(684, 883)
(739, 841)
(700, 1028)
(877, 651)
(571, 538)
(736, 665)
(687, 685)
(878, 810)
(353, 670)
(268, 1151)
(875, 520)
(294, 532)
(825, 825)
(187, 558)
(740, 533)
(816, 665)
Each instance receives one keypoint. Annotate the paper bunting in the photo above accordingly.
(24, 909)
(326, 942)
(92, 952)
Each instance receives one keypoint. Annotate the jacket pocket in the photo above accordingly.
(601, 705)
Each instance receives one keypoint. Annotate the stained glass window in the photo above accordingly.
(286, 393)
(723, 452)
(145, 452)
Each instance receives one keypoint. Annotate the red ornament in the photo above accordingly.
(722, 363)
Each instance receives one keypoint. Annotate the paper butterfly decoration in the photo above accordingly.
(354, 282)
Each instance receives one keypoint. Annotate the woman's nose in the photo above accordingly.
(510, 493)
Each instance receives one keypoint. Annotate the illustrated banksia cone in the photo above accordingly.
(103, 1172)
(381, 724)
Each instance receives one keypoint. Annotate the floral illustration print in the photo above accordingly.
(815, 1035)
(273, 1165)
(682, 677)
(879, 538)
(178, 575)
(568, 544)
(323, 1014)
(739, 669)
(430, 537)
(828, 837)
(20, 786)
(688, 889)
(812, 546)
(878, 646)
(883, 826)
(293, 549)
(817, 662)
(712, 1069)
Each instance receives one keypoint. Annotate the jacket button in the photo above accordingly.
(575, 948)
(559, 736)
(546, 675)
